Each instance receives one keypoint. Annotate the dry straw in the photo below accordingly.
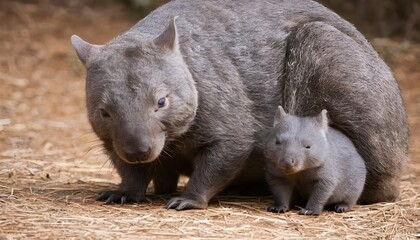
(51, 170)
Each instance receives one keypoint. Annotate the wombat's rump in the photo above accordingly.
(192, 95)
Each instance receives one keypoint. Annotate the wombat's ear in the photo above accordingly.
(84, 49)
(168, 40)
(279, 114)
(322, 119)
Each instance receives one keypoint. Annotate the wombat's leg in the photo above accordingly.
(134, 181)
(214, 169)
(380, 188)
(282, 191)
(321, 192)
(165, 180)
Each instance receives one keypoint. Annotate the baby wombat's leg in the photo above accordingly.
(353, 193)
(282, 191)
(354, 183)
(215, 167)
(343, 207)
(134, 181)
(320, 194)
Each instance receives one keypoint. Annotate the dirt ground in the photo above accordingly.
(52, 166)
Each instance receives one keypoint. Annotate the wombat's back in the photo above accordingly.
(244, 45)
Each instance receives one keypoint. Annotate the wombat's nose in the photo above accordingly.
(138, 154)
(289, 163)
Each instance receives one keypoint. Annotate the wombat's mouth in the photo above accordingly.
(139, 157)
(288, 170)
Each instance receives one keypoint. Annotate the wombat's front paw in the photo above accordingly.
(277, 209)
(118, 196)
(308, 212)
(341, 207)
(180, 203)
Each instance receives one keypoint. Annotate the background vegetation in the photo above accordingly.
(379, 18)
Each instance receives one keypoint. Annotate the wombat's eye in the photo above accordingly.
(104, 113)
(278, 142)
(308, 147)
(161, 102)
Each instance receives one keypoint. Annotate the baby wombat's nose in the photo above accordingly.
(289, 163)
(137, 154)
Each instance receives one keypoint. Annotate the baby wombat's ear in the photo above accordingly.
(168, 40)
(279, 115)
(322, 119)
(84, 49)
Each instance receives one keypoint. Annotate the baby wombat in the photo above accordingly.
(309, 159)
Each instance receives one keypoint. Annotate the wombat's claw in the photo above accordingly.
(180, 203)
(341, 207)
(109, 197)
(277, 209)
(307, 212)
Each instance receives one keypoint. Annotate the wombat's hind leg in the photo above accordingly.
(382, 189)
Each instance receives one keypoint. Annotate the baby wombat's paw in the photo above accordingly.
(276, 208)
(342, 207)
(308, 212)
(118, 196)
(182, 203)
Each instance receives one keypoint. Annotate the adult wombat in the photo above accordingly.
(192, 95)
(317, 163)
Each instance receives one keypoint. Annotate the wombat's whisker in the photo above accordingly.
(107, 160)
(165, 152)
(95, 148)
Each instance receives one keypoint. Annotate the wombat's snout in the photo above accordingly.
(288, 164)
(135, 150)
(136, 153)
(135, 145)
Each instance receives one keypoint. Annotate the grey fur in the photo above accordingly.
(317, 163)
(222, 68)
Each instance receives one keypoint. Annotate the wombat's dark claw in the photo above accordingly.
(277, 209)
(341, 207)
(180, 203)
(117, 196)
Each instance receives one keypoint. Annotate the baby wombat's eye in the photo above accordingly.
(104, 113)
(308, 147)
(278, 142)
(161, 102)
